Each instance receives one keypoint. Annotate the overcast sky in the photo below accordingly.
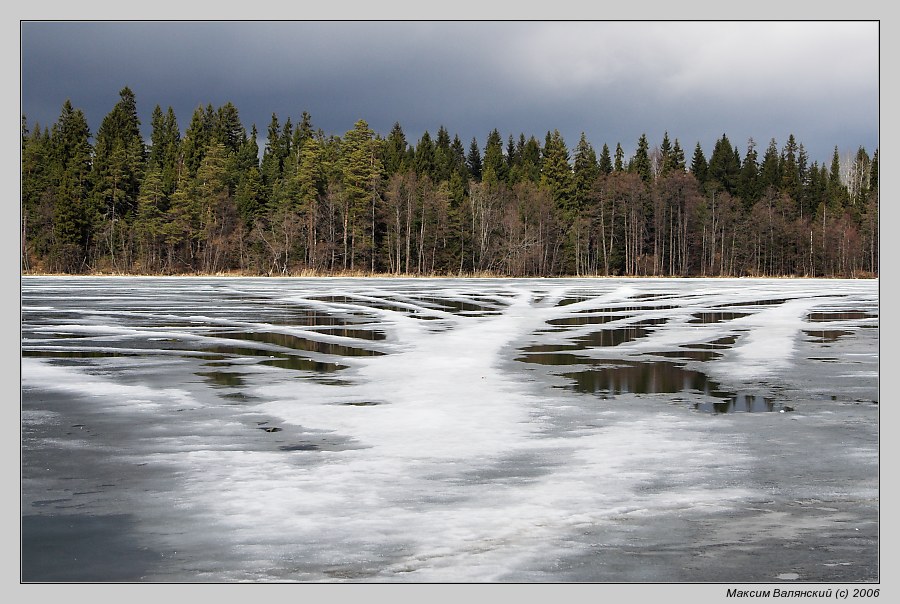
(611, 80)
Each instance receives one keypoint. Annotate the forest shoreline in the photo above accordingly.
(359, 275)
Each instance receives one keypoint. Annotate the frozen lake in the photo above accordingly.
(449, 430)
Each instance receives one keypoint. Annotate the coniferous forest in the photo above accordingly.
(206, 201)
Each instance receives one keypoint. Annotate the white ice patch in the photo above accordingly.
(114, 394)
(768, 346)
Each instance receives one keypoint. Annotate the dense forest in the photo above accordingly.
(206, 201)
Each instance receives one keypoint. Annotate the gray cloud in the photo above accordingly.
(612, 80)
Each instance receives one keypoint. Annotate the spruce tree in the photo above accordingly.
(770, 169)
(748, 188)
(620, 158)
(442, 155)
(228, 129)
(556, 173)
(699, 167)
(74, 215)
(586, 171)
(494, 164)
(394, 151)
(272, 161)
(724, 167)
(605, 163)
(873, 172)
(678, 161)
(473, 160)
(119, 157)
(666, 156)
(640, 163)
(425, 156)
(837, 192)
(530, 160)
(165, 148)
(790, 170)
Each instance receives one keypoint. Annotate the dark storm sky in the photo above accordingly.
(611, 80)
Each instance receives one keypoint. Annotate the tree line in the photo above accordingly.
(206, 202)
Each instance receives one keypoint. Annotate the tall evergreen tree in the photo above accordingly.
(556, 173)
(119, 156)
(442, 155)
(873, 172)
(640, 163)
(473, 160)
(360, 165)
(620, 158)
(394, 151)
(494, 164)
(837, 193)
(74, 216)
(699, 167)
(586, 171)
(530, 160)
(724, 167)
(770, 169)
(425, 156)
(748, 187)
(666, 156)
(165, 148)
(790, 169)
(196, 141)
(272, 165)
(678, 161)
(605, 162)
(228, 129)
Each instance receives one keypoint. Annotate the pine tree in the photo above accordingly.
(678, 161)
